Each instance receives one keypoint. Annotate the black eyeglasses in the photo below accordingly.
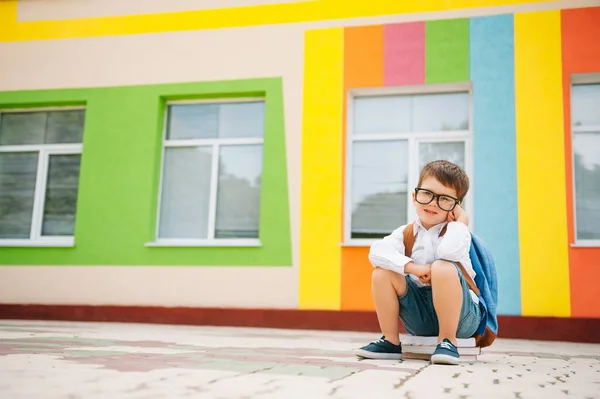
(444, 202)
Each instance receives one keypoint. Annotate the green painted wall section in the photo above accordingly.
(120, 172)
(447, 51)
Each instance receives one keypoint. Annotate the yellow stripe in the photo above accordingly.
(8, 19)
(541, 165)
(321, 198)
(308, 11)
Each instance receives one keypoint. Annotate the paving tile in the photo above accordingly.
(113, 360)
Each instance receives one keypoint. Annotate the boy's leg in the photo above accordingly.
(447, 298)
(457, 312)
(386, 287)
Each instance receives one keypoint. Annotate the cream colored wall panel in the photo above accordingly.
(248, 287)
(152, 58)
(292, 97)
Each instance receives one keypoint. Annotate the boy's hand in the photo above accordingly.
(421, 271)
(458, 215)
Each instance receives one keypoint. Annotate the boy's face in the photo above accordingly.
(431, 214)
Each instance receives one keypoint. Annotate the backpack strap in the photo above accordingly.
(470, 281)
(409, 243)
(409, 239)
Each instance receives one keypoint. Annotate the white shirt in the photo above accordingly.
(388, 253)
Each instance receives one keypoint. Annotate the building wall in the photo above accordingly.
(123, 63)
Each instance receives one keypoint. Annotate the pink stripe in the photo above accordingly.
(404, 54)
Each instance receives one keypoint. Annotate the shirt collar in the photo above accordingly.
(418, 225)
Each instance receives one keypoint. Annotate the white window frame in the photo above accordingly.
(216, 144)
(580, 79)
(414, 139)
(44, 152)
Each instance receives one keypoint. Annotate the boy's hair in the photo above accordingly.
(449, 174)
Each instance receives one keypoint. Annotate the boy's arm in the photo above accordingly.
(388, 253)
(457, 241)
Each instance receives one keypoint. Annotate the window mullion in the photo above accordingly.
(212, 203)
(204, 142)
(349, 147)
(469, 169)
(413, 170)
(446, 135)
(51, 148)
(40, 195)
(586, 129)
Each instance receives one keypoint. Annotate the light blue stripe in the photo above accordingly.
(495, 163)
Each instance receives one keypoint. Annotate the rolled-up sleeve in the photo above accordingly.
(388, 253)
(456, 242)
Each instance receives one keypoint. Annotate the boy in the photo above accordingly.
(427, 287)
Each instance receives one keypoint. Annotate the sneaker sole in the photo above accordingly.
(374, 355)
(445, 359)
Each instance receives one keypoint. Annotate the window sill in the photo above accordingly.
(357, 243)
(206, 243)
(586, 244)
(55, 242)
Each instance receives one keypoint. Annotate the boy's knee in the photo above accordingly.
(383, 277)
(443, 269)
(380, 275)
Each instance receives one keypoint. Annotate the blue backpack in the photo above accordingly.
(487, 282)
(485, 285)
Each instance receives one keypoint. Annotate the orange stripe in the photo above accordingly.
(356, 279)
(363, 57)
(363, 67)
(581, 54)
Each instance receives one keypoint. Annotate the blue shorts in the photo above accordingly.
(419, 317)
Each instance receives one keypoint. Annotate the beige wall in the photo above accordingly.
(243, 287)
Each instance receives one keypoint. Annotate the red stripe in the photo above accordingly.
(580, 54)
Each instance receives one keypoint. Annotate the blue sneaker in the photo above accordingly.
(380, 349)
(445, 353)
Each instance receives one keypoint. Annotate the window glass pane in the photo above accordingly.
(242, 119)
(238, 192)
(18, 173)
(411, 113)
(61, 195)
(440, 112)
(193, 121)
(185, 193)
(384, 114)
(585, 107)
(448, 151)
(226, 120)
(586, 148)
(22, 128)
(65, 127)
(379, 187)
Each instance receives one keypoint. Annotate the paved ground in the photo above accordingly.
(94, 360)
